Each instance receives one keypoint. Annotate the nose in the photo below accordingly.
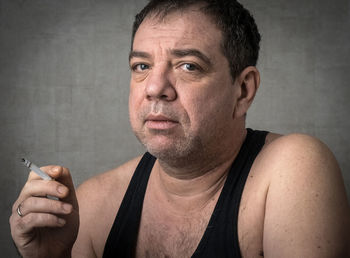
(159, 84)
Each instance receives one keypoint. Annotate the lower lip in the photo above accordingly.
(160, 124)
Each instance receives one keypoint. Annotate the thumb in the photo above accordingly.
(63, 175)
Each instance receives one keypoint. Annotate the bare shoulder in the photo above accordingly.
(113, 180)
(300, 156)
(307, 212)
(99, 199)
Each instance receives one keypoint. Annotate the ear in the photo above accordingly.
(247, 84)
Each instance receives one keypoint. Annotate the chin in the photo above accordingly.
(171, 149)
(176, 154)
(163, 151)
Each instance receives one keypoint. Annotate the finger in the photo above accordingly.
(60, 174)
(44, 205)
(52, 170)
(63, 175)
(43, 188)
(37, 220)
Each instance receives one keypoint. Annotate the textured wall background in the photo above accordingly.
(64, 83)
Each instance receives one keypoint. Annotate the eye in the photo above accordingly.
(140, 67)
(189, 67)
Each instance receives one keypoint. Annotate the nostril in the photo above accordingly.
(161, 97)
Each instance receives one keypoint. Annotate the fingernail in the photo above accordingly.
(61, 189)
(67, 207)
(61, 221)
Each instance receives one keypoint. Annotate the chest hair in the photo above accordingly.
(166, 234)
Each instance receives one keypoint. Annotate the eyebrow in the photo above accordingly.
(191, 52)
(175, 52)
(139, 54)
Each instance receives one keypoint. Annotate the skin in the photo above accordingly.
(191, 114)
(60, 217)
(194, 96)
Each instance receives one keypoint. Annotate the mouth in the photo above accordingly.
(160, 122)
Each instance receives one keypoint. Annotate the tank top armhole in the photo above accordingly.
(122, 237)
(255, 144)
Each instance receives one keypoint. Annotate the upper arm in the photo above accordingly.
(99, 199)
(83, 246)
(307, 211)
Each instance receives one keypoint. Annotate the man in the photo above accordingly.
(211, 187)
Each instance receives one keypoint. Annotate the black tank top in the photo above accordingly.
(220, 238)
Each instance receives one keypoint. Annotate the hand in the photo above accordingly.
(47, 228)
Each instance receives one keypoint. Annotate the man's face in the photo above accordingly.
(182, 96)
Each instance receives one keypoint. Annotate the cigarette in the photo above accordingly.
(36, 169)
(39, 172)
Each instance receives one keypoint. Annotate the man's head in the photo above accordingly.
(184, 105)
(240, 35)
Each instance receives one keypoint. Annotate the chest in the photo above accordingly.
(166, 233)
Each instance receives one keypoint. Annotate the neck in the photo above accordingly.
(192, 187)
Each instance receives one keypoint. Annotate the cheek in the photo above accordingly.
(134, 106)
(209, 108)
(198, 108)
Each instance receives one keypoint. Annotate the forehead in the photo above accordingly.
(189, 28)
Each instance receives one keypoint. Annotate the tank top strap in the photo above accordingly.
(122, 238)
(220, 238)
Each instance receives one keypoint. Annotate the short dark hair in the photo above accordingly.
(240, 35)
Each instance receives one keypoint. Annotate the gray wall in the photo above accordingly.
(64, 83)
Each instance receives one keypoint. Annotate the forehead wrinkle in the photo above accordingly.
(182, 34)
(187, 23)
